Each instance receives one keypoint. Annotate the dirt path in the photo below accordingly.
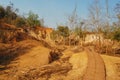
(95, 69)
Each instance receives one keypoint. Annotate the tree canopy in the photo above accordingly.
(32, 20)
(63, 31)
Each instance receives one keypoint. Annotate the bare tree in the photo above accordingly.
(95, 15)
(72, 22)
(117, 11)
(107, 12)
(107, 25)
(95, 18)
(73, 19)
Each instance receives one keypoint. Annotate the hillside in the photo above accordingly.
(34, 65)
(28, 53)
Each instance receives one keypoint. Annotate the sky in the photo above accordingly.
(56, 12)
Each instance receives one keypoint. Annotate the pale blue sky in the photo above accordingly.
(56, 11)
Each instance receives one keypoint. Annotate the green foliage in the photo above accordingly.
(116, 28)
(60, 31)
(2, 12)
(79, 30)
(116, 34)
(107, 32)
(20, 22)
(33, 20)
(9, 15)
(63, 31)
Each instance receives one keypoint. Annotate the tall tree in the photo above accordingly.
(73, 19)
(95, 15)
(107, 12)
(107, 27)
(72, 22)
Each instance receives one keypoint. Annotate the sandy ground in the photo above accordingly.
(37, 56)
(79, 63)
(32, 58)
(112, 65)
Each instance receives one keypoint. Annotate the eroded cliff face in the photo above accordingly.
(10, 33)
(40, 33)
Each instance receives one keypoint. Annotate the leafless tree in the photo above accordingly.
(107, 12)
(73, 19)
(72, 22)
(95, 15)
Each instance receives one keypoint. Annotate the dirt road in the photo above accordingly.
(95, 68)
